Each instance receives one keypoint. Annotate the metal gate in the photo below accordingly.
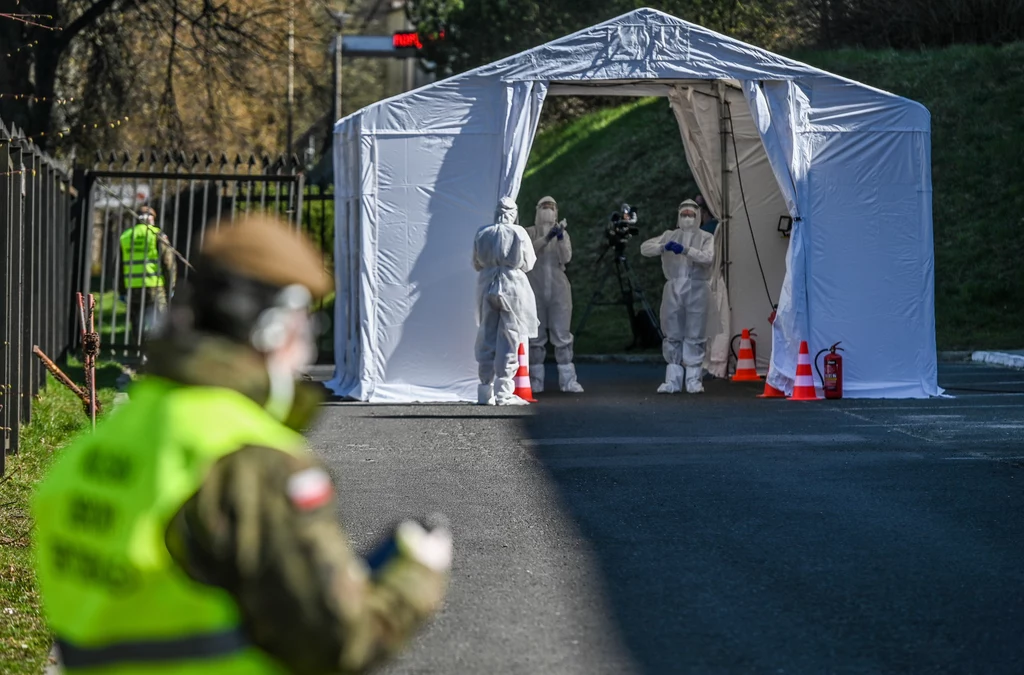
(190, 195)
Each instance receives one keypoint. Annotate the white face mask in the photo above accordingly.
(284, 334)
(286, 363)
(546, 216)
(687, 220)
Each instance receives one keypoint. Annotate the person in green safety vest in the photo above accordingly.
(148, 273)
(194, 532)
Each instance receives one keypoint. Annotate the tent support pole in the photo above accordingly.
(725, 218)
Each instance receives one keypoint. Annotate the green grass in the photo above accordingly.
(975, 95)
(591, 165)
(56, 416)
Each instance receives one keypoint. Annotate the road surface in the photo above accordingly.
(622, 531)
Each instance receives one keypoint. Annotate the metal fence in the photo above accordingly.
(62, 235)
(190, 195)
(39, 247)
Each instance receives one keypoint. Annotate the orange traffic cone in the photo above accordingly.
(771, 392)
(745, 369)
(803, 389)
(523, 389)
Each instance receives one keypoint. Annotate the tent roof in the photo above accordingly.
(647, 45)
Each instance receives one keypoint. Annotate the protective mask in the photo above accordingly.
(686, 221)
(285, 364)
(281, 396)
(546, 217)
(284, 333)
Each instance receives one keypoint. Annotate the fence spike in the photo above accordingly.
(209, 158)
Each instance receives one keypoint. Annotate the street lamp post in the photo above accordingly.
(337, 12)
(291, 76)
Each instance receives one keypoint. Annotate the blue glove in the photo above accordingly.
(675, 247)
(561, 235)
(553, 233)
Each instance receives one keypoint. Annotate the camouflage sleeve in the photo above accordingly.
(260, 528)
(170, 264)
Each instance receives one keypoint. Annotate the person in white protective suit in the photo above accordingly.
(687, 254)
(554, 297)
(506, 306)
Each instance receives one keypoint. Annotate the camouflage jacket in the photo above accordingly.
(305, 597)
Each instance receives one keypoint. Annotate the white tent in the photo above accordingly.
(418, 174)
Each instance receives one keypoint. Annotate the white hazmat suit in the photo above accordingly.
(554, 297)
(687, 254)
(506, 307)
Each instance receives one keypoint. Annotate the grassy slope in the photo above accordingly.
(632, 154)
(56, 416)
(976, 97)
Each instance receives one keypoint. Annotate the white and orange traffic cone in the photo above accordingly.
(771, 392)
(746, 371)
(803, 389)
(523, 389)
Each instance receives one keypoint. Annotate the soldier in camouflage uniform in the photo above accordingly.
(236, 502)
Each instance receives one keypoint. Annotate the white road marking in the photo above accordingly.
(893, 427)
(688, 440)
(981, 458)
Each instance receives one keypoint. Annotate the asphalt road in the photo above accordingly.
(621, 531)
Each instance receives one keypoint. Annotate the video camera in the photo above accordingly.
(622, 227)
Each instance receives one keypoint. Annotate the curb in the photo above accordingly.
(999, 359)
(946, 357)
(619, 358)
(954, 356)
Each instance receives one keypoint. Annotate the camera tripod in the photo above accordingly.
(629, 292)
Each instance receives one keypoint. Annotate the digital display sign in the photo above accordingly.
(411, 40)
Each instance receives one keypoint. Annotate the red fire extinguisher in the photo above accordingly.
(832, 382)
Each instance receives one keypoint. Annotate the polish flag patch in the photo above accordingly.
(310, 489)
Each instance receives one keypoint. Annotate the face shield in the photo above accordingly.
(547, 212)
(688, 215)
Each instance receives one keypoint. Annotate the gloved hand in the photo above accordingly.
(428, 543)
(431, 548)
(555, 232)
(674, 247)
(561, 229)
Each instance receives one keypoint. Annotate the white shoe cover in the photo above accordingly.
(537, 378)
(693, 381)
(512, 400)
(567, 379)
(673, 380)
(485, 394)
